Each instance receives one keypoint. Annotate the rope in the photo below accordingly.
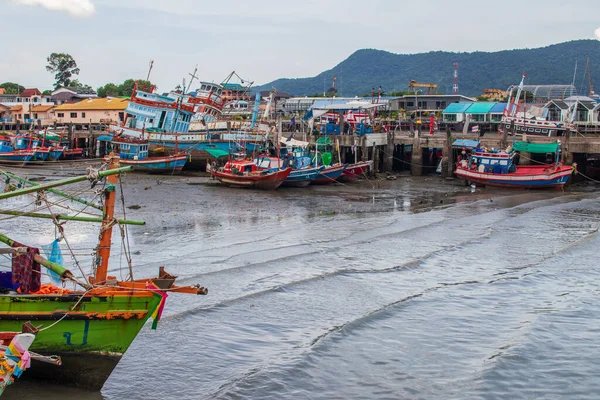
(587, 177)
(124, 233)
(67, 313)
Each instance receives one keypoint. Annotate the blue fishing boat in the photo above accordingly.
(44, 150)
(329, 174)
(302, 173)
(134, 152)
(184, 121)
(8, 153)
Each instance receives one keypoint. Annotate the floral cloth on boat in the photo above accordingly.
(26, 272)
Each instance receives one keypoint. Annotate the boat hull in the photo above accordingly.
(353, 171)
(71, 154)
(198, 156)
(92, 336)
(257, 180)
(302, 177)
(524, 177)
(329, 175)
(17, 157)
(55, 155)
(157, 165)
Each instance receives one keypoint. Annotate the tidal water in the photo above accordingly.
(406, 289)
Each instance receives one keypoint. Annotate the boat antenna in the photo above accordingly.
(194, 76)
(150, 70)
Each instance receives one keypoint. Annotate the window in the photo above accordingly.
(410, 104)
(82, 115)
(26, 100)
(73, 115)
(60, 115)
(35, 116)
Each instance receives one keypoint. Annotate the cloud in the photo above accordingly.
(77, 8)
(597, 33)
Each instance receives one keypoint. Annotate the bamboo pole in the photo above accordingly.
(57, 192)
(62, 182)
(52, 266)
(68, 217)
(107, 224)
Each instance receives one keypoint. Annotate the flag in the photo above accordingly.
(475, 129)
(290, 137)
(293, 122)
(158, 311)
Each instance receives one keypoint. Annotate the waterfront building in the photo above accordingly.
(4, 113)
(427, 103)
(62, 94)
(300, 105)
(24, 108)
(92, 111)
(480, 111)
(455, 112)
(495, 94)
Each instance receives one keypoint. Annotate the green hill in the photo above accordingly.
(369, 68)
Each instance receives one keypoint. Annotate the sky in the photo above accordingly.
(263, 40)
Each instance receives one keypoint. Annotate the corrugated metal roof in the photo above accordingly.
(498, 108)
(480, 107)
(457, 108)
(42, 108)
(96, 104)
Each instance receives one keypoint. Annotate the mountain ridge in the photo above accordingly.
(369, 68)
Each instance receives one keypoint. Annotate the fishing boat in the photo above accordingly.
(512, 123)
(329, 174)
(44, 150)
(302, 173)
(245, 173)
(185, 121)
(353, 171)
(499, 168)
(9, 154)
(91, 327)
(134, 152)
(14, 356)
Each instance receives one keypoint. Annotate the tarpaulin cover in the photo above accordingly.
(535, 147)
(216, 153)
(471, 144)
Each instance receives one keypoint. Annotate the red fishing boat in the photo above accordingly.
(353, 171)
(499, 168)
(244, 173)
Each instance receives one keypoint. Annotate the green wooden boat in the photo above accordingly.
(89, 329)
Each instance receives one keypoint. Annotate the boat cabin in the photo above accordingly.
(153, 112)
(492, 161)
(5, 144)
(208, 101)
(131, 150)
(240, 167)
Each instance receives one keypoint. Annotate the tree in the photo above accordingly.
(63, 66)
(46, 92)
(124, 89)
(110, 89)
(76, 84)
(12, 88)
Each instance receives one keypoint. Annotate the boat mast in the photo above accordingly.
(150, 70)
(107, 223)
(517, 97)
